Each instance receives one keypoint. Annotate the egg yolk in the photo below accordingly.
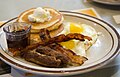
(75, 28)
(68, 44)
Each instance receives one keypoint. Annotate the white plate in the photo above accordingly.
(103, 51)
(108, 2)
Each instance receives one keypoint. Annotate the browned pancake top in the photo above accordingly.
(55, 16)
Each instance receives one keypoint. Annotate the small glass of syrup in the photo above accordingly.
(17, 35)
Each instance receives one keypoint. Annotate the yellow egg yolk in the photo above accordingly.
(68, 44)
(75, 28)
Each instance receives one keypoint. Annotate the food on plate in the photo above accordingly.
(45, 17)
(51, 54)
(61, 38)
(50, 51)
(35, 37)
(79, 47)
(42, 17)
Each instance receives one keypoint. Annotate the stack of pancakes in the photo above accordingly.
(54, 25)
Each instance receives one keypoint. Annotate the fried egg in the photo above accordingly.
(79, 47)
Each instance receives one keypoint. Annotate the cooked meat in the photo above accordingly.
(44, 35)
(46, 39)
(63, 38)
(27, 49)
(77, 36)
(45, 56)
(41, 59)
(75, 59)
(50, 52)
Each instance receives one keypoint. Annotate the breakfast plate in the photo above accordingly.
(105, 49)
(108, 2)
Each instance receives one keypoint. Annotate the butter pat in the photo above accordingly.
(117, 18)
(40, 15)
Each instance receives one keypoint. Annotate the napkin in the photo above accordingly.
(89, 11)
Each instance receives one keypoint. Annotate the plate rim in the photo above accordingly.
(73, 71)
(108, 3)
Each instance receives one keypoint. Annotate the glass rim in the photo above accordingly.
(15, 34)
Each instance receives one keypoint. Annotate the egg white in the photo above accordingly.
(80, 47)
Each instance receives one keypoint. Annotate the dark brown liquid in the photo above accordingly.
(19, 42)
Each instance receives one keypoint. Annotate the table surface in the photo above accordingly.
(12, 8)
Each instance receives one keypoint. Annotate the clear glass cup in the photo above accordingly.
(17, 35)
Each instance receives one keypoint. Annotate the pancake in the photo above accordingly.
(51, 25)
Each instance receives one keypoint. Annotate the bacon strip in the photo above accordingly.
(70, 36)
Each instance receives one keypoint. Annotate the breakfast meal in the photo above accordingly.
(50, 53)
(57, 43)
